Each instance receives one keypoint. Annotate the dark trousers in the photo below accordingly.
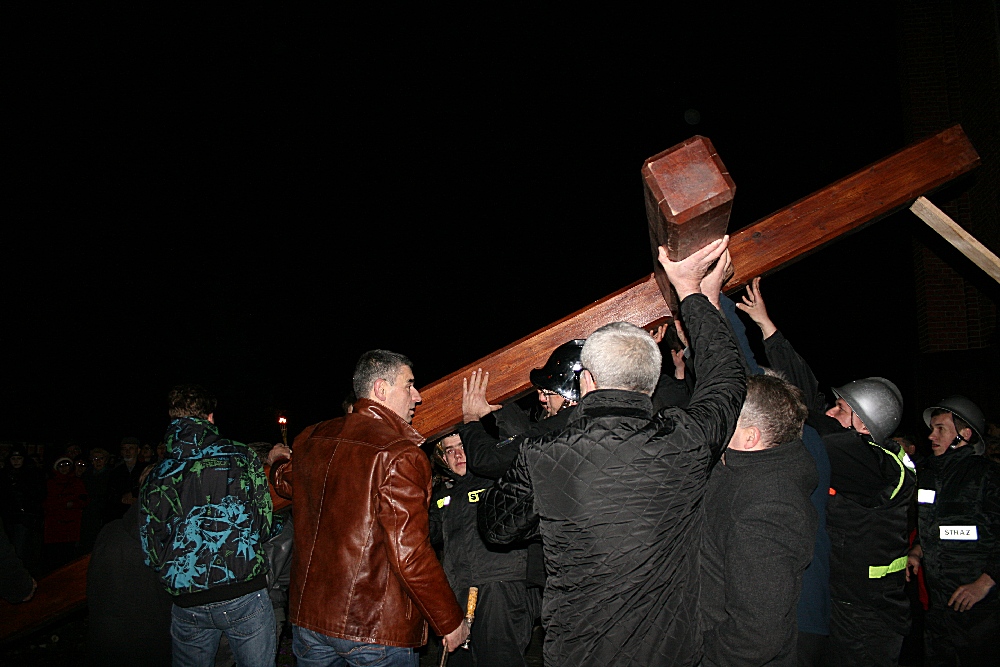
(811, 649)
(967, 638)
(505, 615)
(859, 637)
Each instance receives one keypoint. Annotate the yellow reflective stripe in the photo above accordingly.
(879, 571)
(902, 471)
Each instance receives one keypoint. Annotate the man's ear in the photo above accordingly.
(378, 389)
(966, 434)
(587, 383)
(211, 418)
(750, 438)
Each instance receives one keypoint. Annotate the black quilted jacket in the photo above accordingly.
(617, 497)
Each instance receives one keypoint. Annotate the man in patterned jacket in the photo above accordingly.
(206, 513)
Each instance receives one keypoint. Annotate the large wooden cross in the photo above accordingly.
(688, 196)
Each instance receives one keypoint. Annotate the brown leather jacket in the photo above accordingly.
(363, 567)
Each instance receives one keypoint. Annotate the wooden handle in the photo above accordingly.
(470, 610)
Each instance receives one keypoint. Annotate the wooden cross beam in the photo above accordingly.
(765, 246)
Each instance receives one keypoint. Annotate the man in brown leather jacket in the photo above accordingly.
(364, 575)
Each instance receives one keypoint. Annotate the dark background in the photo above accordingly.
(250, 197)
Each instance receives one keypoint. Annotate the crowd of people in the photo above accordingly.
(707, 511)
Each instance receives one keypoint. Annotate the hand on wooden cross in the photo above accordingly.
(474, 403)
(695, 273)
(753, 305)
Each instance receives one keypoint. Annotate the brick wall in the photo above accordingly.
(950, 73)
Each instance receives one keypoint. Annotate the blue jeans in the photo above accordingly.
(247, 621)
(313, 649)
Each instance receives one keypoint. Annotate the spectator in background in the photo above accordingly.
(22, 491)
(65, 499)
(124, 482)
(97, 481)
(129, 612)
(279, 547)
(16, 583)
(147, 455)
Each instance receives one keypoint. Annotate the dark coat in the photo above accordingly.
(64, 502)
(960, 488)
(129, 612)
(617, 496)
(759, 533)
(467, 560)
(15, 581)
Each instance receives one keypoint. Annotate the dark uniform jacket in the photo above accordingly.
(957, 492)
(363, 568)
(759, 535)
(871, 489)
(618, 496)
(467, 560)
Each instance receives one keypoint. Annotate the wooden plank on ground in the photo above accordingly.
(966, 243)
(58, 594)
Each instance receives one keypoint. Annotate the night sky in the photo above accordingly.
(249, 198)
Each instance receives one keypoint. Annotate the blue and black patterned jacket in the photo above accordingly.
(206, 512)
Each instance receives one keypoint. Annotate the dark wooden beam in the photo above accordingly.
(639, 303)
(58, 594)
(689, 196)
(863, 197)
(763, 247)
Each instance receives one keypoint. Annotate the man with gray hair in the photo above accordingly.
(759, 531)
(617, 494)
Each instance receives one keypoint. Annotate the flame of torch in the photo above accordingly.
(283, 424)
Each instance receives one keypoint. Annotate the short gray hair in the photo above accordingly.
(775, 407)
(622, 356)
(377, 365)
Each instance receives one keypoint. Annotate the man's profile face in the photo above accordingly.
(454, 454)
(551, 401)
(401, 396)
(943, 433)
(129, 452)
(846, 416)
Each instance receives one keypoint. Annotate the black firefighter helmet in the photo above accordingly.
(561, 372)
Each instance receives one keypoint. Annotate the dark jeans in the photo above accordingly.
(247, 621)
(313, 649)
(811, 649)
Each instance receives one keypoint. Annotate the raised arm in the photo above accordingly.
(780, 353)
(720, 381)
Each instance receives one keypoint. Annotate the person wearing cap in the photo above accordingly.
(507, 606)
(871, 485)
(958, 546)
